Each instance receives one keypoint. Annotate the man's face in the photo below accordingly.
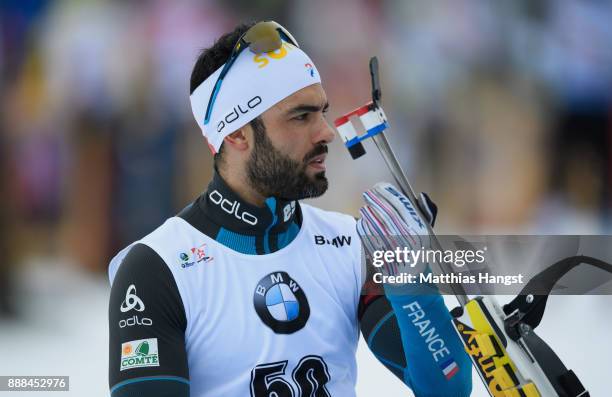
(289, 149)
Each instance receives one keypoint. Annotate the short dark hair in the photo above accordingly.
(211, 59)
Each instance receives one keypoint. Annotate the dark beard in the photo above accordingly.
(273, 174)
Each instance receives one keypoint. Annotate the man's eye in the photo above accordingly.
(301, 117)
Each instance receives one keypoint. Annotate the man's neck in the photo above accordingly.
(225, 217)
(236, 180)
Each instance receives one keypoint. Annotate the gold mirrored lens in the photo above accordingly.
(265, 37)
(261, 37)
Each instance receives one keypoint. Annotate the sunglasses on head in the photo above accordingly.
(262, 37)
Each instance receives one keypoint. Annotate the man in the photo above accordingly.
(247, 292)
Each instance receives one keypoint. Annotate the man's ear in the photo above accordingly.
(237, 139)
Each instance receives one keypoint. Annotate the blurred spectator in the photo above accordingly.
(501, 110)
(6, 288)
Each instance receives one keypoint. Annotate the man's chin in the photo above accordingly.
(317, 186)
(314, 175)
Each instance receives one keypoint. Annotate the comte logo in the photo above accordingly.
(281, 303)
(139, 353)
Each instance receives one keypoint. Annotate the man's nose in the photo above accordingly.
(325, 133)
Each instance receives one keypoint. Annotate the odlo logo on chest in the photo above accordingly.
(281, 303)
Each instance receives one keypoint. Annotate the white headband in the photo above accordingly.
(254, 83)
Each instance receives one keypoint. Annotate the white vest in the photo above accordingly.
(232, 349)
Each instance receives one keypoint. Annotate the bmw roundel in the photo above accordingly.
(281, 303)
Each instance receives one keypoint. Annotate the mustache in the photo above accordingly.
(319, 149)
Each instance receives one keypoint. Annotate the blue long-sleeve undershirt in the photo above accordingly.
(434, 362)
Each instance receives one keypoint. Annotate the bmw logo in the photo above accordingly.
(281, 303)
